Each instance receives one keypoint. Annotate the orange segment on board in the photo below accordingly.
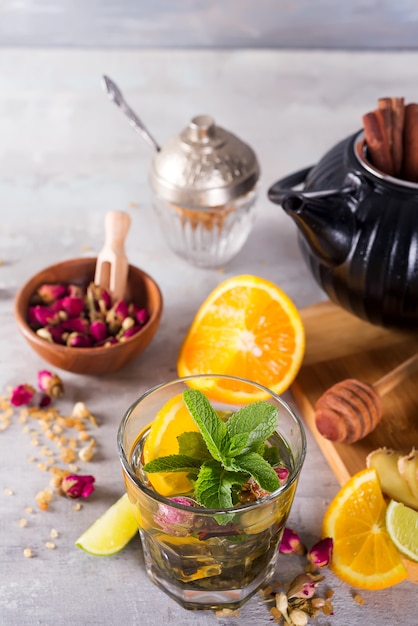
(172, 420)
(363, 555)
(247, 327)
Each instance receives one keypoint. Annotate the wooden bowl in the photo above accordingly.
(141, 289)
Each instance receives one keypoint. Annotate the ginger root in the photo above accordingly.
(397, 473)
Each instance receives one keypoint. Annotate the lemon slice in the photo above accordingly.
(112, 531)
(402, 526)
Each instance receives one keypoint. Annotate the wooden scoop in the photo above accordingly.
(112, 265)
(351, 409)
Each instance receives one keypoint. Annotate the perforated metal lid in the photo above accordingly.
(204, 166)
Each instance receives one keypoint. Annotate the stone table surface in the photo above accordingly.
(67, 156)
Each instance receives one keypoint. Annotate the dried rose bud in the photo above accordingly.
(75, 325)
(130, 332)
(298, 617)
(44, 401)
(321, 553)
(77, 486)
(72, 306)
(142, 316)
(75, 291)
(175, 521)
(290, 542)
(303, 586)
(98, 330)
(44, 315)
(50, 383)
(50, 292)
(22, 394)
(116, 315)
(108, 341)
(77, 340)
(53, 334)
(282, 473)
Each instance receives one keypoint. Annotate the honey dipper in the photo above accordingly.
(351, 409)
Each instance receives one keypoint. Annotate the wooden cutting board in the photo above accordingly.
(339, 346)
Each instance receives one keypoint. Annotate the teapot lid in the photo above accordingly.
(204, 166)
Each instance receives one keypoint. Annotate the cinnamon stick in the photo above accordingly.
(410, 143)
(393, 111)
(378, 141)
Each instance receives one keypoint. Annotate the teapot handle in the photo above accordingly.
(285, 186)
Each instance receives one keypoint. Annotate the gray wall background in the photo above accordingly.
(328, 24)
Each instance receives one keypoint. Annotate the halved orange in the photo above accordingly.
(247, 327)
(364, 555)
(172, 420)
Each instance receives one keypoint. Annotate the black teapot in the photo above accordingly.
(358, 232)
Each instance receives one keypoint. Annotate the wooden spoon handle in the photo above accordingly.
(117, 224)
(397, 375)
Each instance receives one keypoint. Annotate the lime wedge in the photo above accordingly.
(402, 526)
(112, 531)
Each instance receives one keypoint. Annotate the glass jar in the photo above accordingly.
(204, 185)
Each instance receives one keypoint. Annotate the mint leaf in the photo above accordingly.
(213, 485)
(173, 463)
(258, 419)
(270, 454)
(259, 469)
(192, 444)
(210, 424)
(236, 445)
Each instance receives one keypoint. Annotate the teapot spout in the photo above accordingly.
(326, 223)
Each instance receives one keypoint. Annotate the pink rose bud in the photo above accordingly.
(303, 586)
(77, 486)
(107, 341)
(76, 325)
(77, 340)
(129, 332)
(72, 306)
(290, 542)
(75, 291)
(321, 553)
(44, 401)
(142, 316)
(98, 330)
(50, 383)
(45, 315)
(172, 520)
(50, 292)
(106, 299)
(282, 473)
(56, 333)
(120, 310)
(22, 394)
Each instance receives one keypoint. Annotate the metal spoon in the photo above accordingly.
(115, 94)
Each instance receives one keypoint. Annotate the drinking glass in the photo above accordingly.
(209, 558)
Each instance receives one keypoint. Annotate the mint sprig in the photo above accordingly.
(224, 455)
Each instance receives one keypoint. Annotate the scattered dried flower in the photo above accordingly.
(290, 542)
(321, 553)
(50, 383)
(28, 553)
(298, 617)
(303, 586)
(50, 545)
(22, 394)
(77, 486)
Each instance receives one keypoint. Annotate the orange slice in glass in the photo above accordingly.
(172, 420)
